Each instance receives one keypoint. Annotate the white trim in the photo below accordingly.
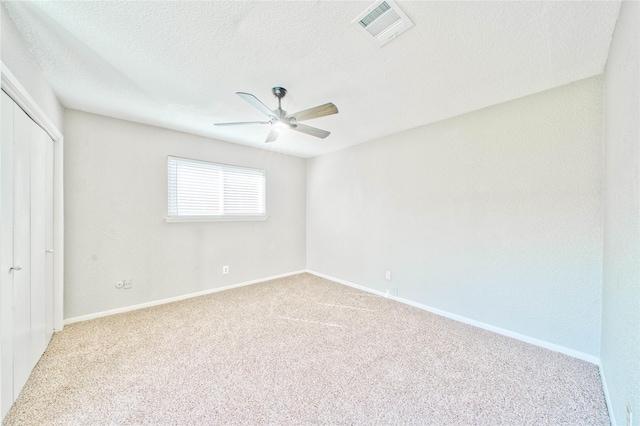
(607, 398)
(171, 219)
(174, 299)
(16, 91)
(524, 338)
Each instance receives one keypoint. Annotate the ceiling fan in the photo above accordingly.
(279, 119)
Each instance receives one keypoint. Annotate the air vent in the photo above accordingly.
(383, 21)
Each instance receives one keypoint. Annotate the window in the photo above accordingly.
(202, 191)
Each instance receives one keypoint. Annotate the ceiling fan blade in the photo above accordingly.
(315, 112)
(256, 103)
(319, 133)
(241, 122)
(272, 136)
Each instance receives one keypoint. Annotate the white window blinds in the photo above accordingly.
(200, 190)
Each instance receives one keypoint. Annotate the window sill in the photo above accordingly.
(216, 218)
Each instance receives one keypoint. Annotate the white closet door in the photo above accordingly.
(26, 242)
(49, 238)
(23, 133)
(6, 253)
(38, 243)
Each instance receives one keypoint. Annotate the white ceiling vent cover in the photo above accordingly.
(383, 21)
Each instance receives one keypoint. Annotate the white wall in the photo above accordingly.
(17, 57)
(495, 215)
(115, 208)
(620, 355)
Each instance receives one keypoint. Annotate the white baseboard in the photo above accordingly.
(607, 397)
(524, 338)
(173, 299)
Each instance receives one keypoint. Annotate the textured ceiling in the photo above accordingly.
(178, 64)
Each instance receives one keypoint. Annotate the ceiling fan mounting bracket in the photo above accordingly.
(279, 92)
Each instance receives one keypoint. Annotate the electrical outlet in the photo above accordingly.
(128, 284)
(225, 269)
(629, 416)
(387, 275)
(120, 284)
(394, 291)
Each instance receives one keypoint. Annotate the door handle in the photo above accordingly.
(15, 268)
(49, 251)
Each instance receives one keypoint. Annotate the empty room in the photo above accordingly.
(320, 212)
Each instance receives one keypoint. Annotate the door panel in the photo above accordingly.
(49, 239)
(6, 254)
(38, 242)
(22, 135)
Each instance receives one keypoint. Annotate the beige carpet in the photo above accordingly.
(301, 350)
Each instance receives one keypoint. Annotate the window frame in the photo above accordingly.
(219, 217)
